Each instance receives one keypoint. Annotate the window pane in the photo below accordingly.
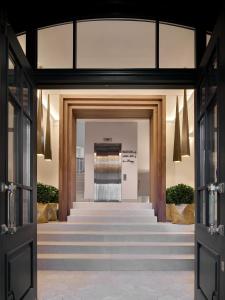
(26, 97)
(13, 144)
(202, 199)
(202, 96)
(12, 76)
(26, 207)
(202, 152)
(213, 140)
(176, 47)
(212, 76)
(55, 47)
(22, 40)
(115, 44)
(26, 152)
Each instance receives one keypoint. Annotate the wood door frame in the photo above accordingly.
(73, 107)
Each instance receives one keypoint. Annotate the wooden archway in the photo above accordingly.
(72, 108)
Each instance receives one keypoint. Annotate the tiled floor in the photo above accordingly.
(140, 285)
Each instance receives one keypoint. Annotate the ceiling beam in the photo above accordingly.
(132, 78)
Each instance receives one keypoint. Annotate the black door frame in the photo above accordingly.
(211, 246)
(22, 244)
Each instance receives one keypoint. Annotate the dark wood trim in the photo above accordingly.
(72, 108)
(109, 78)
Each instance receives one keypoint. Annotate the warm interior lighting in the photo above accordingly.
(177, 145)
(40, 130)
(48, 147)
(185, 145)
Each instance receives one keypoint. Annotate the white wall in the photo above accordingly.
(124, 133)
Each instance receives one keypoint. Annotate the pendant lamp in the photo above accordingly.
(40, 130)
(185, 145)
(177, 145)
(48, 147)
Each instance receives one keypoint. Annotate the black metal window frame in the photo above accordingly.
(141, 78)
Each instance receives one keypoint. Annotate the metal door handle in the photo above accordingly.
(11, 212)
(11, 228)
(216, 188)
(4, 229)
(214, 230)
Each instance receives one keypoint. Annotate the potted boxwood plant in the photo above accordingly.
(179, 200)
(47, 198)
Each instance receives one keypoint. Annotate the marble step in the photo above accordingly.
(115, 247)
(76, 226)
(111, 219)
(115, 262)
(112, 212)
(111, 205)
(112, 236)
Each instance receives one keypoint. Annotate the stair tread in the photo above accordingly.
(167, 225)
(115, 232)
(114, 256)
(110, 244)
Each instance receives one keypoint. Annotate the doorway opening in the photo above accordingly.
(129, 140)
(68, 162)
(112, 107)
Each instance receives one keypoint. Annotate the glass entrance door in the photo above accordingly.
(210, 175)
(18, 173)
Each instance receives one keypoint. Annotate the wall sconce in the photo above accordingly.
(185, 145)
(48, 147)
(177, 145)
(40, 130)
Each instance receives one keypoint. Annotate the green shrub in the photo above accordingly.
(47, 193)
(180, 194)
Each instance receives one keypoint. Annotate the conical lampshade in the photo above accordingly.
(48, 147)
(177, 145)
(185, 145)
(40, 130)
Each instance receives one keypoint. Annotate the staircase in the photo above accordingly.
(114, 236)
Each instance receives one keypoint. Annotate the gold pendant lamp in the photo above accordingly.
(48, 147)
(185, 145)
(177, 145)
(40, 130)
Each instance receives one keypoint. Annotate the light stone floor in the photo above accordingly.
(97, 285)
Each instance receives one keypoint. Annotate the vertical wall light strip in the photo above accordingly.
(185, 145)
(48, 147)
(40, 130)
(177, 145)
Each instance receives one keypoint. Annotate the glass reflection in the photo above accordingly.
(13, 137)
(26, 152)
